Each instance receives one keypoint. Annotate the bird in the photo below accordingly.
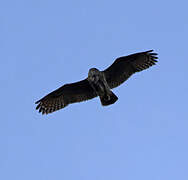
(98, 83)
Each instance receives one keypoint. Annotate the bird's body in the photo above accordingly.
(98, 83)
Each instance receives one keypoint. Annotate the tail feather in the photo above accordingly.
(108, 99)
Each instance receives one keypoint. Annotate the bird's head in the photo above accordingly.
(93, 74)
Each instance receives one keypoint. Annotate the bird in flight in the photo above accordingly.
(98, 83)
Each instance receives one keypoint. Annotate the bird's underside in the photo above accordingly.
(98, 83)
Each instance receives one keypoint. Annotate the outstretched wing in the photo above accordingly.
(67, 94)
(124, 67)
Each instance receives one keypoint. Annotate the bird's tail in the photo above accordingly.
(108, 98)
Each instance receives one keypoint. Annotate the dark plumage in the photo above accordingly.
(98, 83)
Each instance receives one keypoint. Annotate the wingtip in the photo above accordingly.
(149, 51)
(37, 102)
(152, 54)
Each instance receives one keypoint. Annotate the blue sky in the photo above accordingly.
(45, 44)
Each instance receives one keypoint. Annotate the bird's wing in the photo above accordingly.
(67, 94)
(124, 67)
